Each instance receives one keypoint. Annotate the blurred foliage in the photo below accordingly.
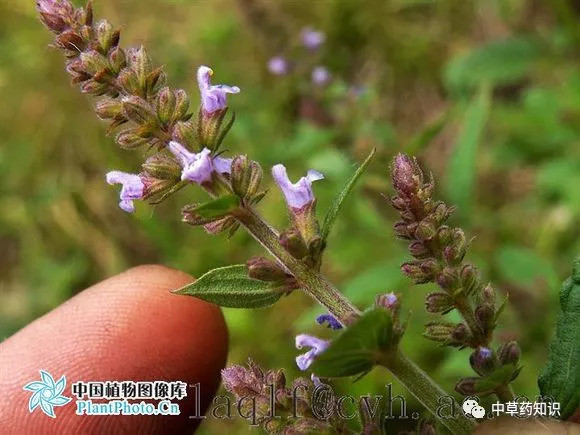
(485, 92)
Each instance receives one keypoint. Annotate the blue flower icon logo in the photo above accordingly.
(47, 393)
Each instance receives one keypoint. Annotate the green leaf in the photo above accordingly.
(335, 207)
(523, 266)
(501, 376)
(461, 171)
(231, 287)
(560, 379)
(357, 348)
(218, 207)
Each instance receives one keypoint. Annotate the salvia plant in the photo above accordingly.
(184, 150)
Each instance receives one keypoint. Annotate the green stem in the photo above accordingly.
(426, 391)
(411, 376)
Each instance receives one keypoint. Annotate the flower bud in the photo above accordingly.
(117, 59)
(439, 303)
(488, 295)
(469, 278)
(444, 235)
(106, 36)
(184, 133)
(240, 381)
(246, 177)
(94, 62)
(128, 81)
(389, 301)
(402, 230)
(108, 108)
(406, 175)
(138, 110)
(181, 105)
(455, 252)
(447, 279)
(439, 331)
(425, 230)
(419, 250)
(94, 88)
(163, 167)
(440, 212)
(70, 40)
(399, 203)
(485, 316)
(509, 353)
(128, 139)
(481, 361)
(140, 63)
(165, 105)
(265, 270)
(293, 242)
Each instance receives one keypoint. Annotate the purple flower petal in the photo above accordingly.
(278, 66)
(196, 167)
(317, 347)
(133, 188)
(320, 75)
(331, 321)
(213, 97)
(297, 194)
(222, 165)
(312, 39)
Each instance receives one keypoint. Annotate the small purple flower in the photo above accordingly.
(297, 194)
(317, 347)
(320, 76)
(222, 165)
(213, 97)
(278, 66)
(133, 188)
(198, 167)
(331, 321)
(311, 38)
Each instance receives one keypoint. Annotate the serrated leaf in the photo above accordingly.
(335, 207)
(231, 287)
(218, 207)
(357, 348)
(560, 379)
(461, 172)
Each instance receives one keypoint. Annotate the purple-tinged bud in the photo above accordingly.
(138, 110)
(317, 347)
(265, 270)
(184, 133)
(447, 279)
(488, 295)
(228, 223)
(330, 321)
(312, 39)
(444, 235)
(466, 386)
(425, 230)
(240, 381)
(181, 105)
(94, 62)
(55, 14)
(406, 175)
(129, 139)
(485, 316)
(117, 59)
(439, 303)
(440, 212)
(461, 334)
(278, 66)
(399, 203)
(133, 188)
(402, 230)
(297, 194)
(419, 250)
(106, 36)
(197, 167)
(320, 75)
(469, 278)
(70, 40)
(509, 353)
(165, 105)
(140, 63)
(455, 252)
(162, 166)
(213, 97)
(389, 301)
(109, 108)
(481, 361)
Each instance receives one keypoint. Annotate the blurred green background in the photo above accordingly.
(486, 93)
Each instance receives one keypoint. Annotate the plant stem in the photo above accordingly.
(411, 376)
(426, 391)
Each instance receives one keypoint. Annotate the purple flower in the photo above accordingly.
(278, 66)
(331, 321)
(320, 75)
(213, 97)
(317, 347)
(311, 38)
(297, 194)
(198, 167)
(133, 188)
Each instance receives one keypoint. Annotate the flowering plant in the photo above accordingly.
(186, 151)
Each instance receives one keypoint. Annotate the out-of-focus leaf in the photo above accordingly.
(560, 379)
(332, 213)
(523, 266)
(428, 133)
(231, 287)
(461, 172)
(498, 62)
(356, 349)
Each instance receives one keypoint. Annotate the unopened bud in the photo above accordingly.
(94, 88)
(162, 166)
(108, 108)
(154, 187)
(246, 176)
(70, 40)
(138, 110)
(447, 279)
(406, 175)
(402, 230)
(265, 270)
(165, 105)
(128, 139)
(184, 133)
(418, 250)
(509, 353)
(293, 242)
(469, 278)
(399, 203)
(444, 235)
(485, 316)
(455, 252)
(139, 61)
(460, 334)
(425, 230)
(106, 36)
(390, 301)
(117, 59)
(439, 303)
(440, 212)
(181, 105)
(439, 331)
(481, 361)
(94, 62)
(488, 295)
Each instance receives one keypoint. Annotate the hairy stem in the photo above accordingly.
(411, 376)
(426, 391)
